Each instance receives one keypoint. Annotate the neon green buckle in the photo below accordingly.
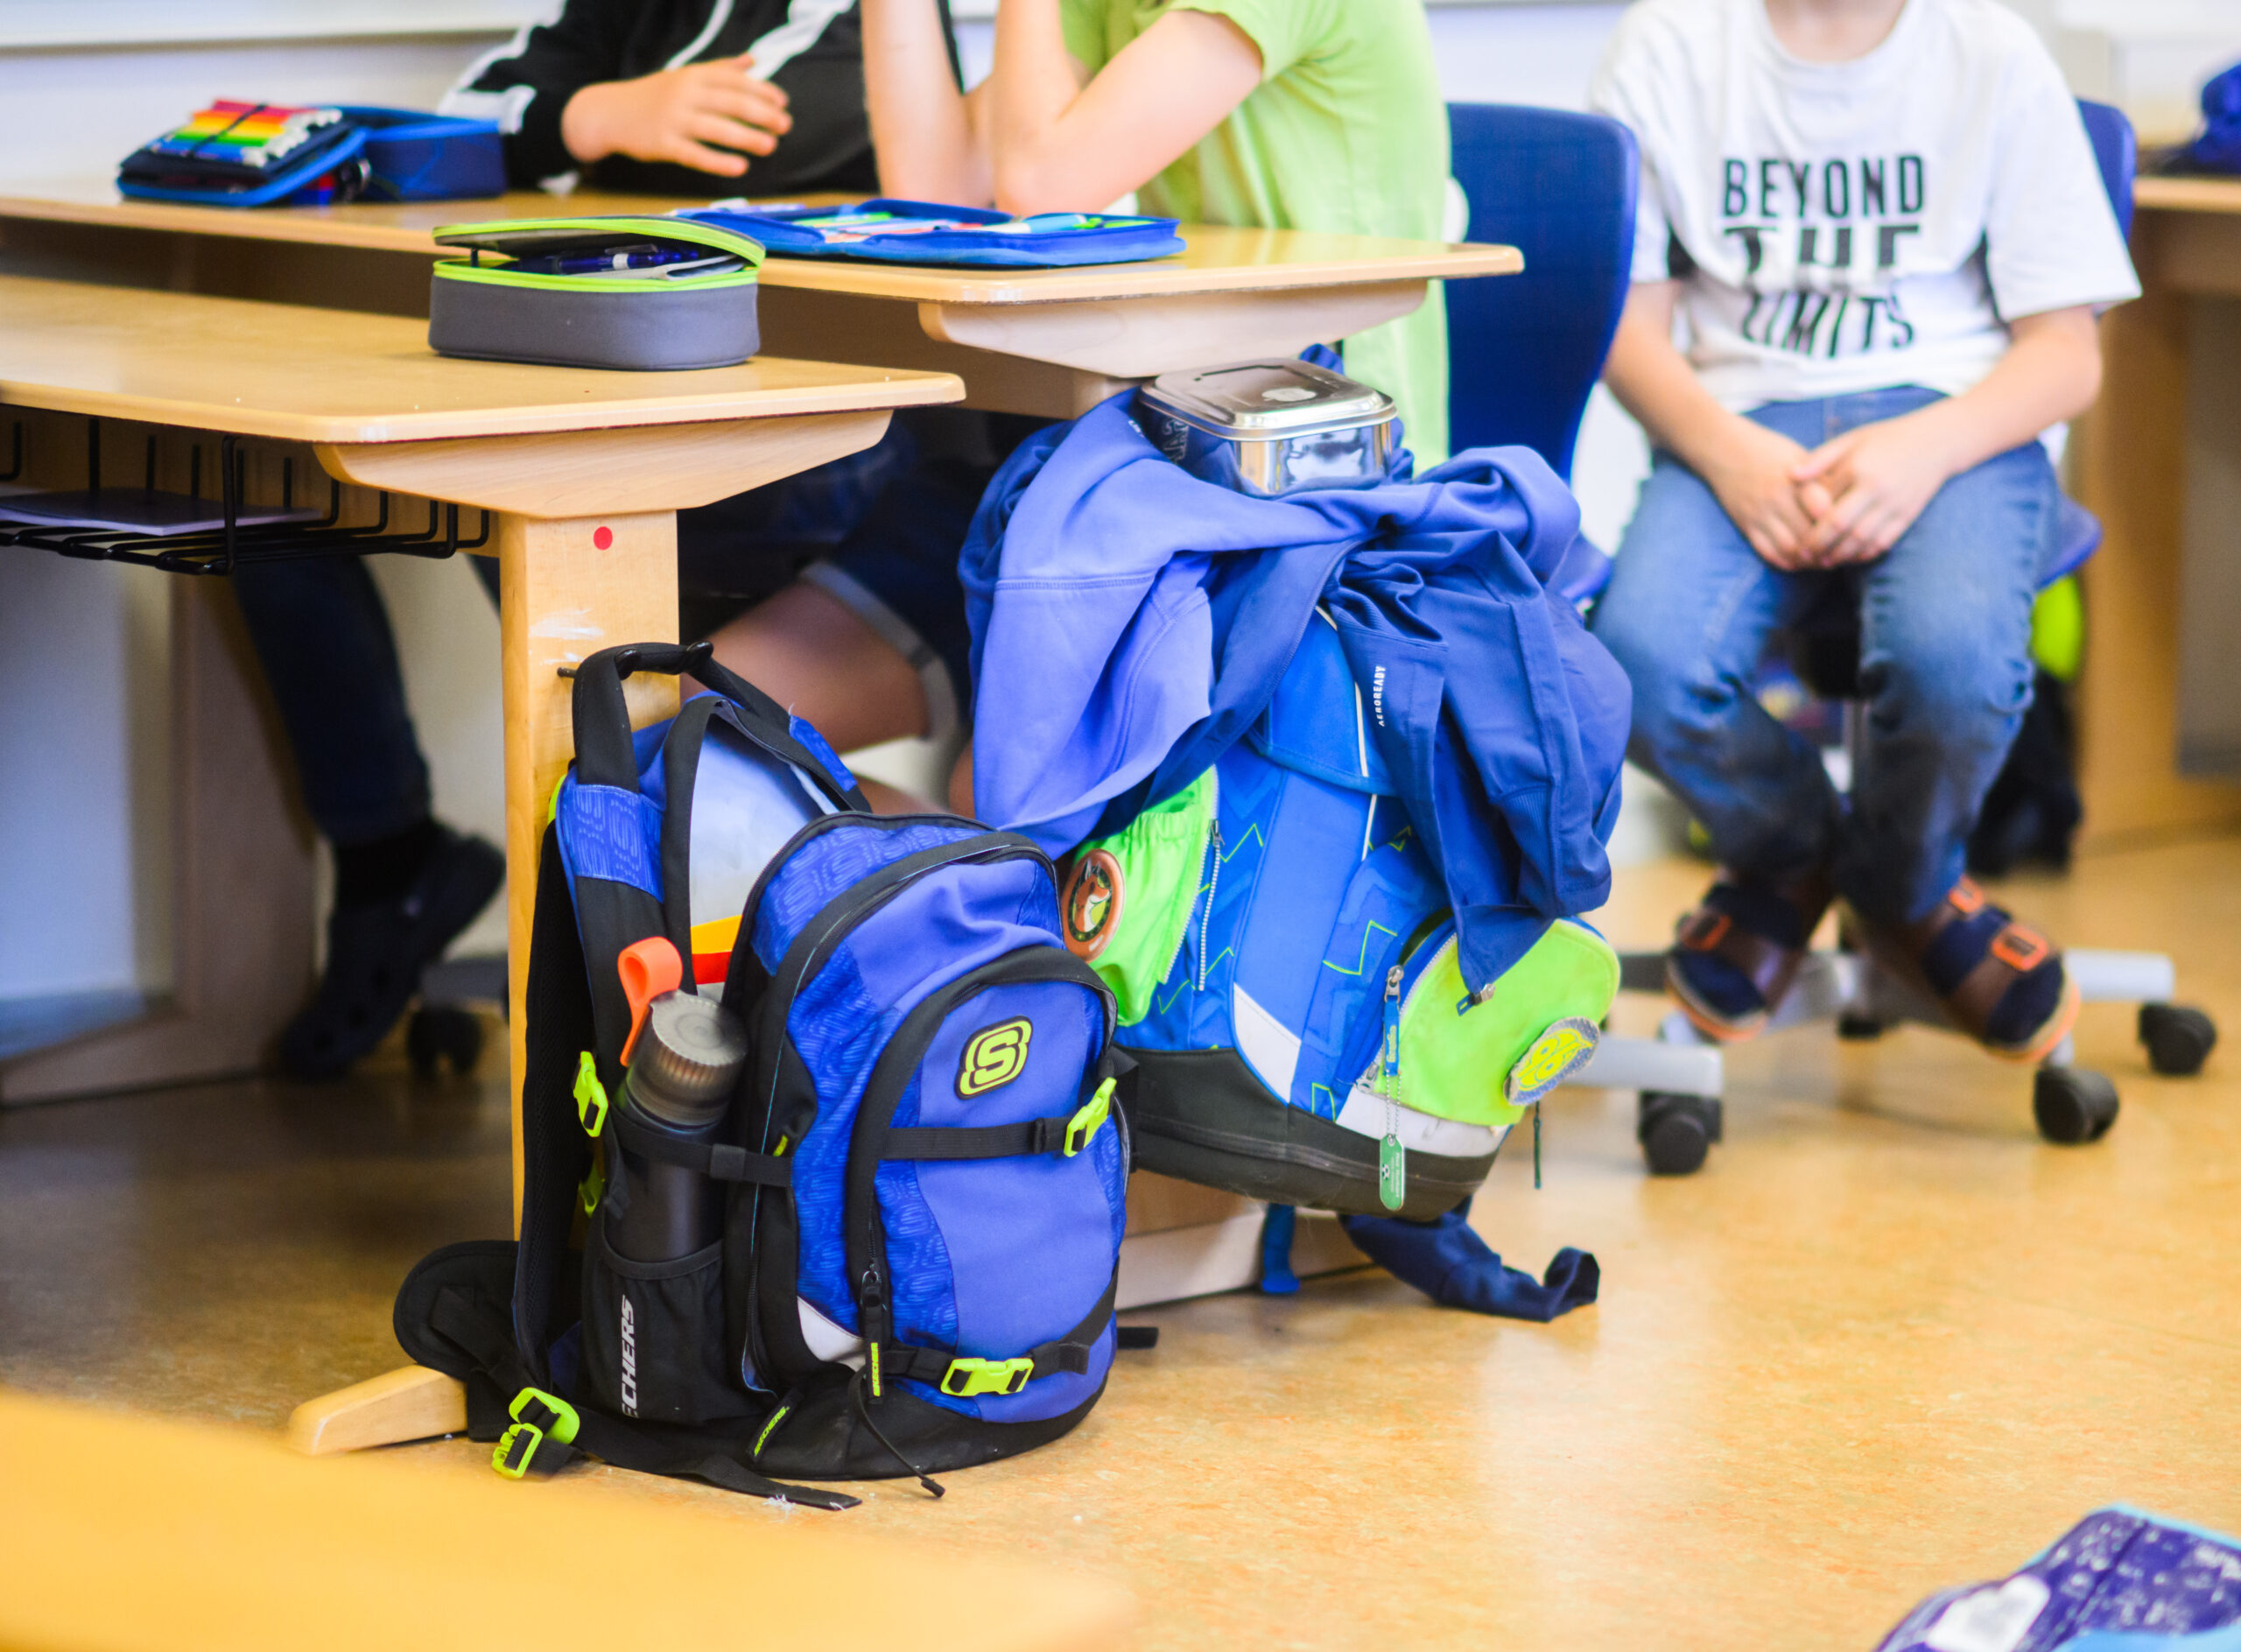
(590, 1096)
(966, 1377)
(517, 1448)
(589, 1189)
(563, 1421)
(1082, 1129)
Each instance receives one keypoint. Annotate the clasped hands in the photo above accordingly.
(1846, 500)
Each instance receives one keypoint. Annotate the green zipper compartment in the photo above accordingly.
(1485, 1063)
(526, 237)
(1128, 900)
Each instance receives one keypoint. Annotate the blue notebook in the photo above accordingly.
(927, 232)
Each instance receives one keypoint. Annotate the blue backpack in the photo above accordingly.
(1284, 957)
(924, 1173)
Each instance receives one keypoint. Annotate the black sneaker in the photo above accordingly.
(376, 951)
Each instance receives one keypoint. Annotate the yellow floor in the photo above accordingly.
(1886, 1341)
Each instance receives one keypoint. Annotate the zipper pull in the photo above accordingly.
(1536, 1147)
(1392, 1157)
(1213, 884)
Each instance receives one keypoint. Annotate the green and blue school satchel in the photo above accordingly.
(1284, 956)
(927, 232)
(244, 154)
(920, 1169)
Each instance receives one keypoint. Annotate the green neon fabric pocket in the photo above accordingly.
(1486, 1063)
(1128, 900)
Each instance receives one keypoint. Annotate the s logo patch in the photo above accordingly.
(996, 1057)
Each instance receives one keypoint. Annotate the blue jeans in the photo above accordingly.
(1945, 670)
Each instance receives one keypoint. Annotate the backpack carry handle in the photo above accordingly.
(605, 756)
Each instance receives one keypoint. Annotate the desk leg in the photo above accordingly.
(568, 587)
(563, 595)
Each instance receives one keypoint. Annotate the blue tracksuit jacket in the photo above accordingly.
(1129, 621)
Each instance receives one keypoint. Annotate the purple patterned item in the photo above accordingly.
(2118, 1573)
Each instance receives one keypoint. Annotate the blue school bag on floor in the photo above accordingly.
(1289, 984)
(922, 1171)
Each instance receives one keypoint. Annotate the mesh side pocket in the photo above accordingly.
(653, 1336)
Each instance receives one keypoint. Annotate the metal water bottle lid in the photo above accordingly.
(687, 1061)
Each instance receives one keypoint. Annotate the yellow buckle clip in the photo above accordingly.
(563, 1421)
(590, 1096)
(1082, 1129)
(525, 1436)
(966, 1377)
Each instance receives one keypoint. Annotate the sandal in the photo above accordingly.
(1735, 956)
(1997, 980)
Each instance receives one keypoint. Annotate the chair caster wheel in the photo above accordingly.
(2073, 1105)
(441, 1033)
(1677, 1131)
(1859, 1028)
(2179, 1039)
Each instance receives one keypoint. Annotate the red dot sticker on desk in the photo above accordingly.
(602, 538)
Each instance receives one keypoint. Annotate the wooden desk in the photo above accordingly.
(2159, 461)
(138, 1535)
(584, 471)
(1046, 341)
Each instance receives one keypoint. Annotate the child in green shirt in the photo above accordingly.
(1314, 115)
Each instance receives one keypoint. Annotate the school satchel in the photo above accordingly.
(1284, 957)
(918, 1169)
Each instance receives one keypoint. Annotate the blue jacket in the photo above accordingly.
(1129, 621)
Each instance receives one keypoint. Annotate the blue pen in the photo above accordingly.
(617, 259)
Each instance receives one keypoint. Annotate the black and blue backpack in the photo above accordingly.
(923, 1170)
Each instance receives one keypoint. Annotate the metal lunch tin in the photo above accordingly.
(1271, 428)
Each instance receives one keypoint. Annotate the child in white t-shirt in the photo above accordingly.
(1882, 224)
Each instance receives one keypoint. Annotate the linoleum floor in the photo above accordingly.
(1886, 1341)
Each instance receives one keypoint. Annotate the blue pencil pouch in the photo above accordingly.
(262, 155)
(928, 232)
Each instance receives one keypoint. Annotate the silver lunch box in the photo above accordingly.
(1271, 428)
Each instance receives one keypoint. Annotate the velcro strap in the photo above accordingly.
(977, 1141)
(1065, 1136)
(713, 1159)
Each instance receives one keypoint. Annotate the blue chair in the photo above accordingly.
(1525, 351)
(1680, 1114)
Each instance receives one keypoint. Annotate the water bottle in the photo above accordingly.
(679, 1084)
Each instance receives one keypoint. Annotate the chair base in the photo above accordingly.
(1682, 1078)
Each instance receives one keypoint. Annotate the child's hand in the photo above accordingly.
(1881, 476)
(709, 116)
(1753, 476)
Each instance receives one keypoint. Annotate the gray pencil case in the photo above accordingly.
(646, 294)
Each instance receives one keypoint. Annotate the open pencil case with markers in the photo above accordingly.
(648, 294)
(928, 232)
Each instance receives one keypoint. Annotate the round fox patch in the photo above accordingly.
(1092, 904)
(995, 1057)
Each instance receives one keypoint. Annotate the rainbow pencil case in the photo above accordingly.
(242, 154)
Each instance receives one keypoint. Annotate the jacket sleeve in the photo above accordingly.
(830, 144)
(525, 84)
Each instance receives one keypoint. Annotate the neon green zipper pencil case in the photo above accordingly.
(643, 294)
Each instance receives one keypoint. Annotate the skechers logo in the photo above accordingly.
(996, 1056)
(629, 1360)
